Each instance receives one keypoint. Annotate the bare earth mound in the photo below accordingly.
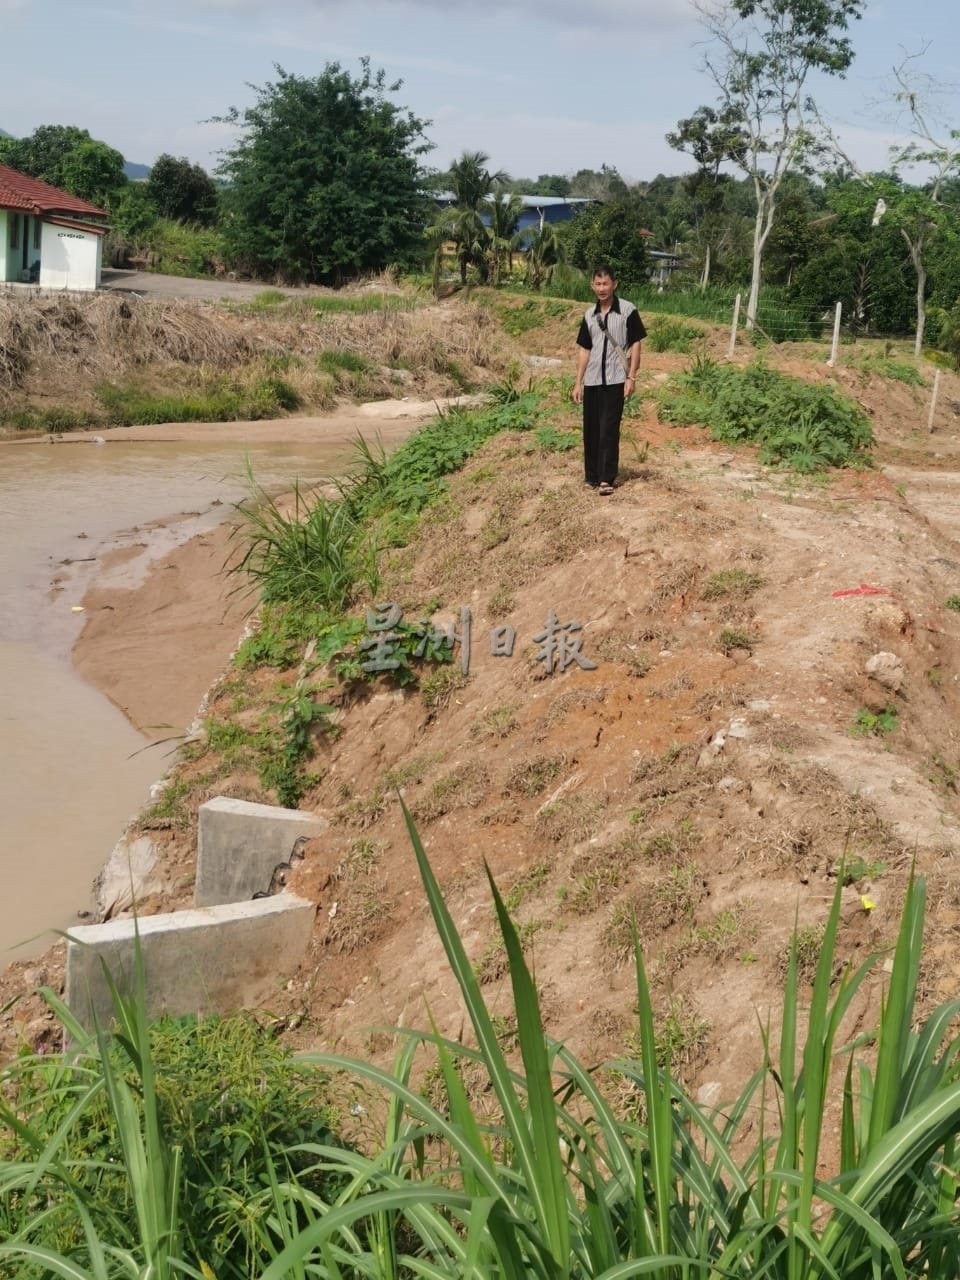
(708, 777)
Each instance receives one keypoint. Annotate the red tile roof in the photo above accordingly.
(17, 191)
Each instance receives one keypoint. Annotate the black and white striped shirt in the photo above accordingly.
(602, 335)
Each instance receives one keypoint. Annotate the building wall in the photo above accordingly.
(70, 259)
(16, 231)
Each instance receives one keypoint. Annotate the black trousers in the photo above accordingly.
(602, 411)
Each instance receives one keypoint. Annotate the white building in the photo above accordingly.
(47, 236)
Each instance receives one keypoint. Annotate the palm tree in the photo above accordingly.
(544, 252)
(470, 180)
(471, 183)
(504, 210)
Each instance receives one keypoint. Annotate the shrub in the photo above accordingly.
(804, 426)
(667, 333)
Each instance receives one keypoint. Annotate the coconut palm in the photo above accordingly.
(504, 211)
(471, 181)
(544, 252)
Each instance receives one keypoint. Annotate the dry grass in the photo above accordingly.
(106, 332)
(675, 585)
(531, 777)
(463, 787)
(77, 343)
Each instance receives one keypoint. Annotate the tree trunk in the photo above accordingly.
(754, 298)
(921, 311)
(705, 273)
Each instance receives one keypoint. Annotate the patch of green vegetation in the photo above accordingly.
(732, 638)
(227, 1094)
(809, 944)
(853, 870)
(677, 894)
(492, 963)
(953, 602)
(945, 776)
(362, 303)
(126, 404)
(593, 888)
(875, 723)
(438, 687)
(571, 818)
(496, 722)
(407, 771)
(54, 419)
(883, 366)
(175, 808)
(668, 333)
(461, 788)
(681, 1037)
(340, 361)
(735, 583)
(531, 777)
(800, 425)
(533, 878)
(553, 441)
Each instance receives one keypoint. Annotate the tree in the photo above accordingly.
(471, 181)
(611, 233)
(710, 137)
(544, 252)
(604, 183)
(324, 182)
(183, 191)
(920, 214)
(766, 52)
(67, 157)
(504, 211)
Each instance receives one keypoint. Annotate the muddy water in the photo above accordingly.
(72, 769)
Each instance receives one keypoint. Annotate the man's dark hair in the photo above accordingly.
(604, 269)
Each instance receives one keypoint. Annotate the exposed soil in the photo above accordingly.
(705, 775)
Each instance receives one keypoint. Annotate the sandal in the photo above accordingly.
(605, 490)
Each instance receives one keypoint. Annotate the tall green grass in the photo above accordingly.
(309, 552)
(556, 1183)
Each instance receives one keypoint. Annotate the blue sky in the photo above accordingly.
(542, 86)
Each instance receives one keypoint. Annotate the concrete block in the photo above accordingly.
(213, 960)
(240, 845)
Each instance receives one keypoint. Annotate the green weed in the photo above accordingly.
(804, 426)
(875, 723)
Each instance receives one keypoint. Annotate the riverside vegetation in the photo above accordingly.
(204, 1149)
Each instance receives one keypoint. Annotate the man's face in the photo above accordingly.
(603, 287)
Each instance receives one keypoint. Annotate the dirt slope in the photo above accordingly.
(704, 776)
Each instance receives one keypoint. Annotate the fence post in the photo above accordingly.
(933, 401)
(733, 327)
(836, 336)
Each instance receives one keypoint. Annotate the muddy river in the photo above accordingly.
(72, 768)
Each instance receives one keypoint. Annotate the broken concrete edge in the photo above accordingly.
(202, 961)
(240, 845)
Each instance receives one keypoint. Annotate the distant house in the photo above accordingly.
(534, 210)
(47, 236)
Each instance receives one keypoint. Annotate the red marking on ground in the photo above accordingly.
(864, 589)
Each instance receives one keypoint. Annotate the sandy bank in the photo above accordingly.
(162, 622)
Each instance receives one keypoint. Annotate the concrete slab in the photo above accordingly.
(213, 960)
(241, 844)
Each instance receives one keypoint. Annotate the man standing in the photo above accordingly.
(608, 356)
